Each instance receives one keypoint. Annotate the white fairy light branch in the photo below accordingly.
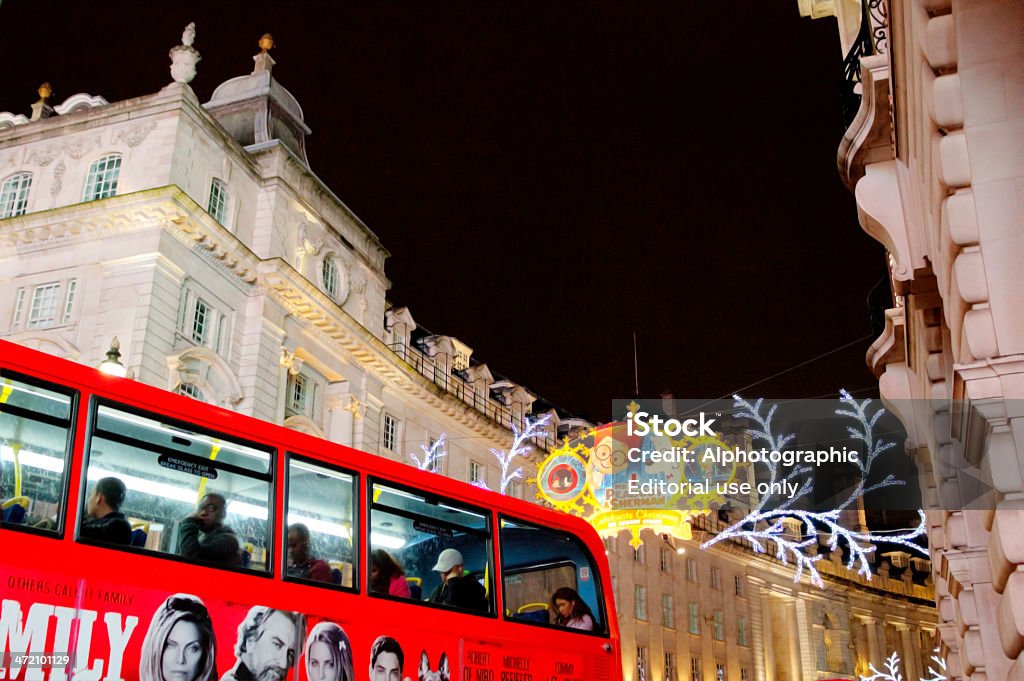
(431, 454)
(938, 672)
(520, 447)
(765, 522)
(891, 673)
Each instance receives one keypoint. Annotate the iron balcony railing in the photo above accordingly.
(465, 391)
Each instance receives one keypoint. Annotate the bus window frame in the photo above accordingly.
(95, 403)
(605, 630)
(289, 455)
(432, 498)
(69, 449)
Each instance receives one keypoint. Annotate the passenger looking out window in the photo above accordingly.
(387, 576)
(301, 561)
(104, 520)
(204, 536)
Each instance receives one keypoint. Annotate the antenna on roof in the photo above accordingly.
(636, 372)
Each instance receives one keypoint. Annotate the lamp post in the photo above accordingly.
(112, 364)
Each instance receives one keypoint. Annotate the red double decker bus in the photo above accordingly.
(146, 535)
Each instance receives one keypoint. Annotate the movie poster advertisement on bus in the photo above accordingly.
(59, 628)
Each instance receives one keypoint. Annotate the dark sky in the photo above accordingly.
(550, 176)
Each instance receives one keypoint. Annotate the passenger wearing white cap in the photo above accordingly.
(457, 589)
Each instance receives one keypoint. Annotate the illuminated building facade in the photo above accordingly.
(934, 154)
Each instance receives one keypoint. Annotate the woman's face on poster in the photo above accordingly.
(183, 652)
(320, 666)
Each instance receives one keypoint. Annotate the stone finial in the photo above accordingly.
(41, 109)
(264, 62)
(184, 57)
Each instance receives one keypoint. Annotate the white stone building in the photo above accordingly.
(934, 154)
(198, 235)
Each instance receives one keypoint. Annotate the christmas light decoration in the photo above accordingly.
(892, 673)
(520, 447)
(933, 673)
(431, 454)
(764, 523)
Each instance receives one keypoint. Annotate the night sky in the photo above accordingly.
(550, 176)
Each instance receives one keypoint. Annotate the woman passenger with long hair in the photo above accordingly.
(179, 645)
(387, 576)
(328, 654)
(571, 611)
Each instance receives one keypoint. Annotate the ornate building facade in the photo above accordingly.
(198, 235)
(934, 154)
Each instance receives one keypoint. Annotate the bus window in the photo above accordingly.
(549, 577)
(441, 547)
(318, 524)
(35, 438)
(190, 493)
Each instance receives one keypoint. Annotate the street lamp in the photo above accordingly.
(112, 364)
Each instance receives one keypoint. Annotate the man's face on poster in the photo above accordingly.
(385, 668)
(271, 653)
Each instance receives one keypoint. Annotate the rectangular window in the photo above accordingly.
(691, 570)
(666, 560)
(739, 585)
(741, 630)
(615, 591)
(167, 467)
(476, 473)
(190, 390)
(716, 578)
(201, 321)
(416, 529)
(318, 534)
(694, 615)
(437, 461)
(298, 393)
(43, 310)
(514, 489)
(38, 419)
(218, 206)
(668, 616)
(696, 670)
(670, 667)
(641, 662)
(389, 436)
(19, 303)
(718, 631)
(719, 671)
(744, 674)
(69, 300)
(638, 554)
(640, 602)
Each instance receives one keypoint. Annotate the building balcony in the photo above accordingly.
(465, 391)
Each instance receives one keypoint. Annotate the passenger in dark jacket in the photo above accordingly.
(204, 535)
(457, 589)
(104, 520)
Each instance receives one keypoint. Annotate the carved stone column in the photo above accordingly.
(793, 637)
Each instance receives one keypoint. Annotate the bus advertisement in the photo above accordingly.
(149, 536)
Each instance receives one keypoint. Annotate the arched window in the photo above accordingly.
(14, 195)
(101, 181)
(330, 276)
(190, 390)
(218, 205)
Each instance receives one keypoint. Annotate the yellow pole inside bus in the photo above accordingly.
(16, 446)
(201, 490)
